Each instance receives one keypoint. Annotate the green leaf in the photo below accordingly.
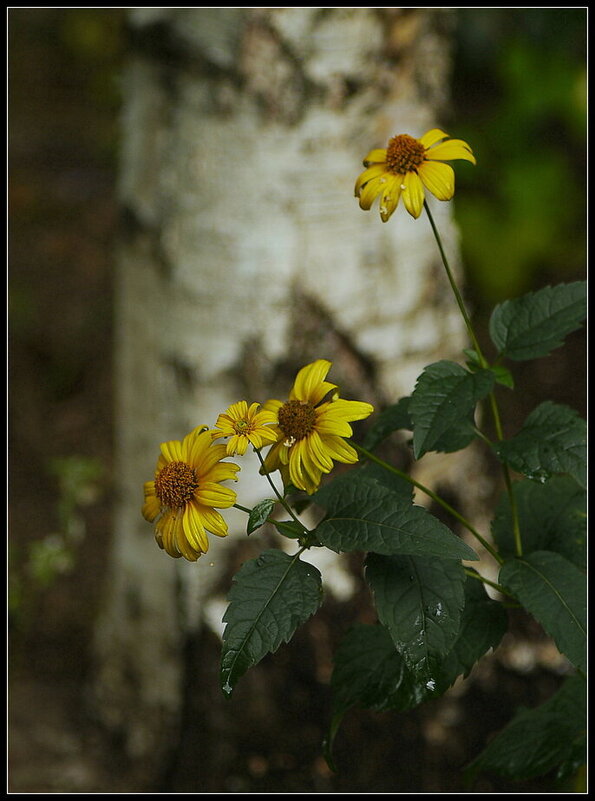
(367, 516)
(535, 324)
(552, 440)
(370, 673)
(503, 376)
(270, 597)
(483, 624)
(419, 601)
(259, 514)
(290, 529)
(391, 419)
(442, 406)
(552, 517)
(538, 740)
(554, 591)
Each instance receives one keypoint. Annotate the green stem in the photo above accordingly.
(473, 574)
(444, 504)
(482, 360)
(483, 363)
(280, 498)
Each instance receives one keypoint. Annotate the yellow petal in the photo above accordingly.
(194, 529)
(340, 450)
(413, 194)
(389, 199)
(451, 150)
(376, 156)
(439, 178)
(350, 410)
(370, 192)
(372, 172)
(431, 137)
(310, 385)
(172, 451)
(214, 522)
(211, 494)
(151, 508)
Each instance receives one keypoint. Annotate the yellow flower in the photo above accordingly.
(245, 425)
(310, 428)
(405, 167)
(185, 492)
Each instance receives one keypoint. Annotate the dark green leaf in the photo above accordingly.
(391, 419)
(419, 601)
(552, 517)
(258, 515)
(535, 324)
(483, 624)
(552, 440)
(289, 528)
(367, 516)
(270, 597)
(372, 471)
(442, 405)
(554, 591)
(538, 740)
(370, 673)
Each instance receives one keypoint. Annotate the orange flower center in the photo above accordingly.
(404, 154)
(175, 484)
(296, 419)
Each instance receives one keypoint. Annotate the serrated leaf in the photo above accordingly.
(554, 591)
(552, 517)
(420, 603)
(442, 405)
(370, 673)
(536, 323)
(552, 440)
(367, 516)
(483, 624)
(393, 418)
(259, 514)
(538, 740)
(270, 597)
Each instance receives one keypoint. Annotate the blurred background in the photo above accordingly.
(518, 97)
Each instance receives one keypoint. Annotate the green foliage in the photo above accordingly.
(533, 325)
(271, 596)
(435, 619)
(365, 515)
(552, 517)
(442, 406)
(554, 591)
(551, 441)
(420, 602)
(539, 740)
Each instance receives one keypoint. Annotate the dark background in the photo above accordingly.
(519, 92)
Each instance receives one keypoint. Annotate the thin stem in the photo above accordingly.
(430, 493)
(280, 498)
(484, 363)
(475, 575)
(455, 290)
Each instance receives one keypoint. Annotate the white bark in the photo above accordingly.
(243, 134)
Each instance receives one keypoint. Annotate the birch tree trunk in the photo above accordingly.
(244, 255)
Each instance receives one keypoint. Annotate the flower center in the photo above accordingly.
(296, 419)
(175, 484)
(404, 154)
(242, 427)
